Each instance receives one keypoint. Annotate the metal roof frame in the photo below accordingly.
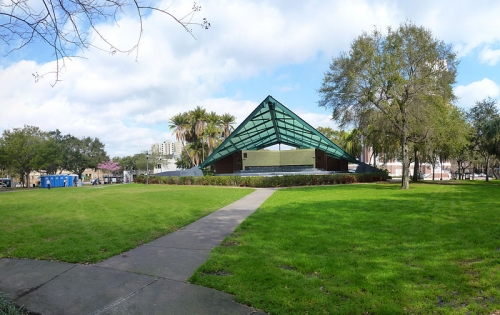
(273, 123)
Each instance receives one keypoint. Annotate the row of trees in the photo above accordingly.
(483, 146)
(200, 132)
(28, 149)
(471, 138)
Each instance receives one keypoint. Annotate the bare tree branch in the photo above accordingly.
(67, 27)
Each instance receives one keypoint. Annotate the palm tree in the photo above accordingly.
(351, 142)
(180, 125)
(212, 132)
(213, 118)
(198, 119)
(195, 148)
(201, 131)
(227, 121)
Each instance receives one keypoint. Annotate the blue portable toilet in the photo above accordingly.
(58, 180)
(44, 178)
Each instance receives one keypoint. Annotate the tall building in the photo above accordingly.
(165, 148)
(166, 154)
(178, 148)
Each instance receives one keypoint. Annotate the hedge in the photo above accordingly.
(273, 181)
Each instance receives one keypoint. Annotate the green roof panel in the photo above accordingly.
(272, 123)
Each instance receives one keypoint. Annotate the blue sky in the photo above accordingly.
(253, 49)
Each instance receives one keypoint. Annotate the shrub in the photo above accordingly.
(272, 181)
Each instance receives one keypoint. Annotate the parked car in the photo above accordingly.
(5, 182)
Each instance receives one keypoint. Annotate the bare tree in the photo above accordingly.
(68, 27)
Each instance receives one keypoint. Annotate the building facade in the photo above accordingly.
(164, 155)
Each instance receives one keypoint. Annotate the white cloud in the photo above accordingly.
(476, 91)
(127, 103)
(489, 56)
(317, 120)
(466, 24)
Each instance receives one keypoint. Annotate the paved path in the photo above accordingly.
(150, 279)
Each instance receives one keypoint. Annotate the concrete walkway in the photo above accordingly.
(150, 279)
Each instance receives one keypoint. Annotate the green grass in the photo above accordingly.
(91, 224)
(7, 307)
(366, 249)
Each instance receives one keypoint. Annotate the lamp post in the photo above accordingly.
(147, 168)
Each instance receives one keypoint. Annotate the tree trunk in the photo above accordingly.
(375, 156)
(405, 182)
(495, 172)
(487, 167)
(27, 180)
(416, 166)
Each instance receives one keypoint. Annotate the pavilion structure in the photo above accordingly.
(271, 123)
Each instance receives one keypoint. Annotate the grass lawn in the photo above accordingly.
(366, 249)
(91, 224)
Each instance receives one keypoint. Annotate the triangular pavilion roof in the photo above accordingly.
(272, 123)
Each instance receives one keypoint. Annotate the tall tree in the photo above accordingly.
(80, 154)
(180, 125)
(449, 137)
(4, 161)
(390, 75)
(23, 148)
(382, 140)
(493, 133)
(481, 117)
(56, 145)
(213, 132)
(227, 121)
(201, 131)
(330, 133)
(351, 142)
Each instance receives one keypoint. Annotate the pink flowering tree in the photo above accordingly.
(109, 166)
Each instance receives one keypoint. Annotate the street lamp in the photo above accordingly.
(147, 168)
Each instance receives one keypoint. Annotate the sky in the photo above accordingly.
(254, 48)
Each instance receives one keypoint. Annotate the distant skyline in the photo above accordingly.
(253, 49)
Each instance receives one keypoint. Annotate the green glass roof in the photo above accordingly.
(272, 123)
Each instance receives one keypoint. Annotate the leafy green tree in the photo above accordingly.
(330, 133)
(127, 163)
(23, 148)
(4, 161)
(80, 154)
(493, 133)
(55, 148)
(450, 136)
(184, 162)
(482, 116)
(349, 141)
(390, 75)
(382, 140)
